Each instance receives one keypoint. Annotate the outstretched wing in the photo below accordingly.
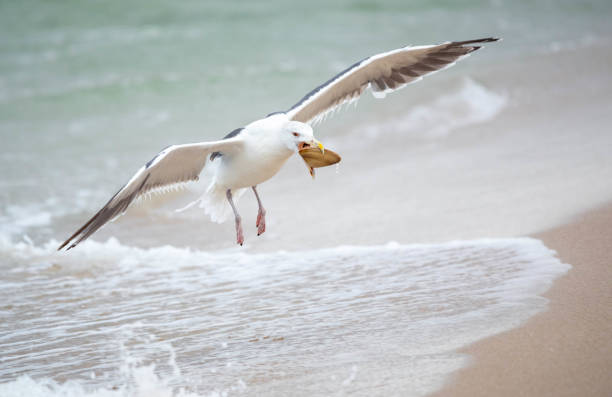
(383, 73)
(175, 164)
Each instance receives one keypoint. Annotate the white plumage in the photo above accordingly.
(249, 156)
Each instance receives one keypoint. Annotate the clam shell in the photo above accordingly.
(315, 159)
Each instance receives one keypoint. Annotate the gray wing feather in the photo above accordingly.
(382, 73)
(175, 164)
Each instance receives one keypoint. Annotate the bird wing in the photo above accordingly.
(383, 73)
(174, 165)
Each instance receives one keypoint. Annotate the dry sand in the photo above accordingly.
(567, 350)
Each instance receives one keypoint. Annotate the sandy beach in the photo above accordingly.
(567, 350)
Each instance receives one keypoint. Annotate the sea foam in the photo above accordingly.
(169, 321)
(469, 103)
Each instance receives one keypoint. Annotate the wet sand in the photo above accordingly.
(567, 350)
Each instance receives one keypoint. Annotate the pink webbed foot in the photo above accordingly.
(261, 222)
(261, 215)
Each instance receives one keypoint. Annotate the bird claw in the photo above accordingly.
(240, 238)
(261, 223)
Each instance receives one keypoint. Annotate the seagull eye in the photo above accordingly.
(296, 134)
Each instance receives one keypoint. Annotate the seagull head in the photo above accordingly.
(298, 136)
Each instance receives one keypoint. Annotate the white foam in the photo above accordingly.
(391, 311)
(17, 219)
(144, 383)
(471, 103)
(135, 378)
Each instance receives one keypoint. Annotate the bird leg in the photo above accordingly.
(239, 234)
(261, 215)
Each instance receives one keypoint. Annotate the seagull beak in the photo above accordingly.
(318, 144)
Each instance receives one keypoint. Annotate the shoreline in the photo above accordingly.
(566, 350)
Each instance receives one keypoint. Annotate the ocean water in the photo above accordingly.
(117, 320)
(369, 279)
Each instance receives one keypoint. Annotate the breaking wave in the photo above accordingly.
(117, 320)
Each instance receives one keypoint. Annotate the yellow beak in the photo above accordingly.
(319, 145)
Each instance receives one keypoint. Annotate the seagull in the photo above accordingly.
(249, 156)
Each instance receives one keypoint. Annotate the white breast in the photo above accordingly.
(263, 155)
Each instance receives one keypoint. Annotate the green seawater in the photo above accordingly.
(91, 90)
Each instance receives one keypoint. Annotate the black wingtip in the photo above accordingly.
(63, 245)
(475, 41)
(487, 40)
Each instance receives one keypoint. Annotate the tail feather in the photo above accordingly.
(215, 204)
